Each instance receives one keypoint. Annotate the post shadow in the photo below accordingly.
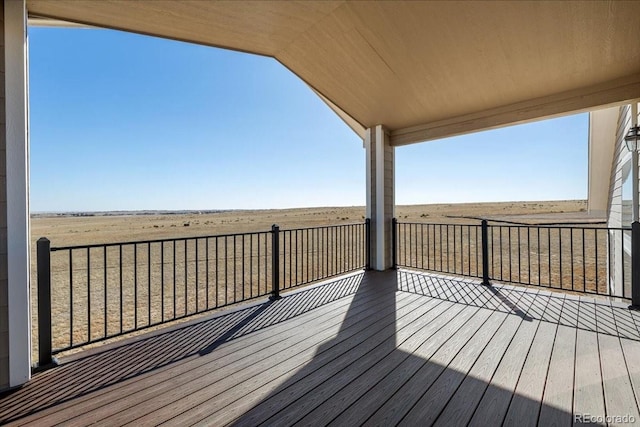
(405, 386)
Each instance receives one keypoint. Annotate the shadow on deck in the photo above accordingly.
(370, 348)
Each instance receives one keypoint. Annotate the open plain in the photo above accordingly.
(106, 292)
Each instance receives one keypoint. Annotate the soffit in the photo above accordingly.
(411, 64)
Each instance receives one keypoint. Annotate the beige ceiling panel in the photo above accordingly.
(454, 58)
(261, 27)
(409, 63)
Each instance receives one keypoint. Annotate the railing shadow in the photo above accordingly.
(389, 373)
(381, 366)
(575, 311)
(160, 349)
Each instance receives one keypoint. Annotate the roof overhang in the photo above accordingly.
(425, 70)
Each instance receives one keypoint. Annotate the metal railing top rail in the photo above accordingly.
(167, 240)
(519, 225)
(324, 226)
(208, 236)
(437, 223)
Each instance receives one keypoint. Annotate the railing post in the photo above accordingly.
(394, 243)
(635, 265)
(45, 359)
(275, 262)
(485, 252)
(367, 232)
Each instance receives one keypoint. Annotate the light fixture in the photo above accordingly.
(631, 140)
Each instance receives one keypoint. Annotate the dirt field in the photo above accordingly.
(66, 230)
(149, 283)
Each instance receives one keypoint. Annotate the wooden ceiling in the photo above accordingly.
(424, 70)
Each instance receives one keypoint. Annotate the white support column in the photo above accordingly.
(380, 171)
(17, 152)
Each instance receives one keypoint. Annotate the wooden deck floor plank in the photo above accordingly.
(356, 387)
(631, 350)
(587, 390)
(311, 392)
(625, 324)
(605, 321)
(570, 309)
(494, 403)
(370, 381)
(397, 406)
(461, 406)
(273, 397)
(445, 344)
(587, 315)
(540, 302)
(259, 338)
(557, 400)
(440, 394)
(343, 351)
(215, 374)
(525, 403)
(618, 390)
(282, 337)
(553, 310)
(232, 388)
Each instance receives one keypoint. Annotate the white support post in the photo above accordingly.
(17, 158)
(380, 170)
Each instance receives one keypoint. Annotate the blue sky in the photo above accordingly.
(126, 122)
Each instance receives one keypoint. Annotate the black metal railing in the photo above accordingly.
(100, 291)
(311, 254)
(572, 258)
(447, 248)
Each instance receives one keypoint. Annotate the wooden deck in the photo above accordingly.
(393, 348)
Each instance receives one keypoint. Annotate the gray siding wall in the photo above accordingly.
(620, 154)
(619, 262)
(4, 284)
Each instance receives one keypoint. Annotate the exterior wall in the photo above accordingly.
(619, 207)
(620, 156)
(4, 282)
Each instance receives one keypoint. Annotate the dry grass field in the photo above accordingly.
(153, 282)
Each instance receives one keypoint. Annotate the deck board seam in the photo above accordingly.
(515, 387)
(436, 305)
(451, 336)
(554, 349)
(495, 313)
(475, 312)
(474, 362)
(270, 355)
(604, 397)
(626, 364)
(427, 361)
(575, 364)
(500, 362)
(188, 360)
(494, 371)
(362, 338)
(382, 358)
